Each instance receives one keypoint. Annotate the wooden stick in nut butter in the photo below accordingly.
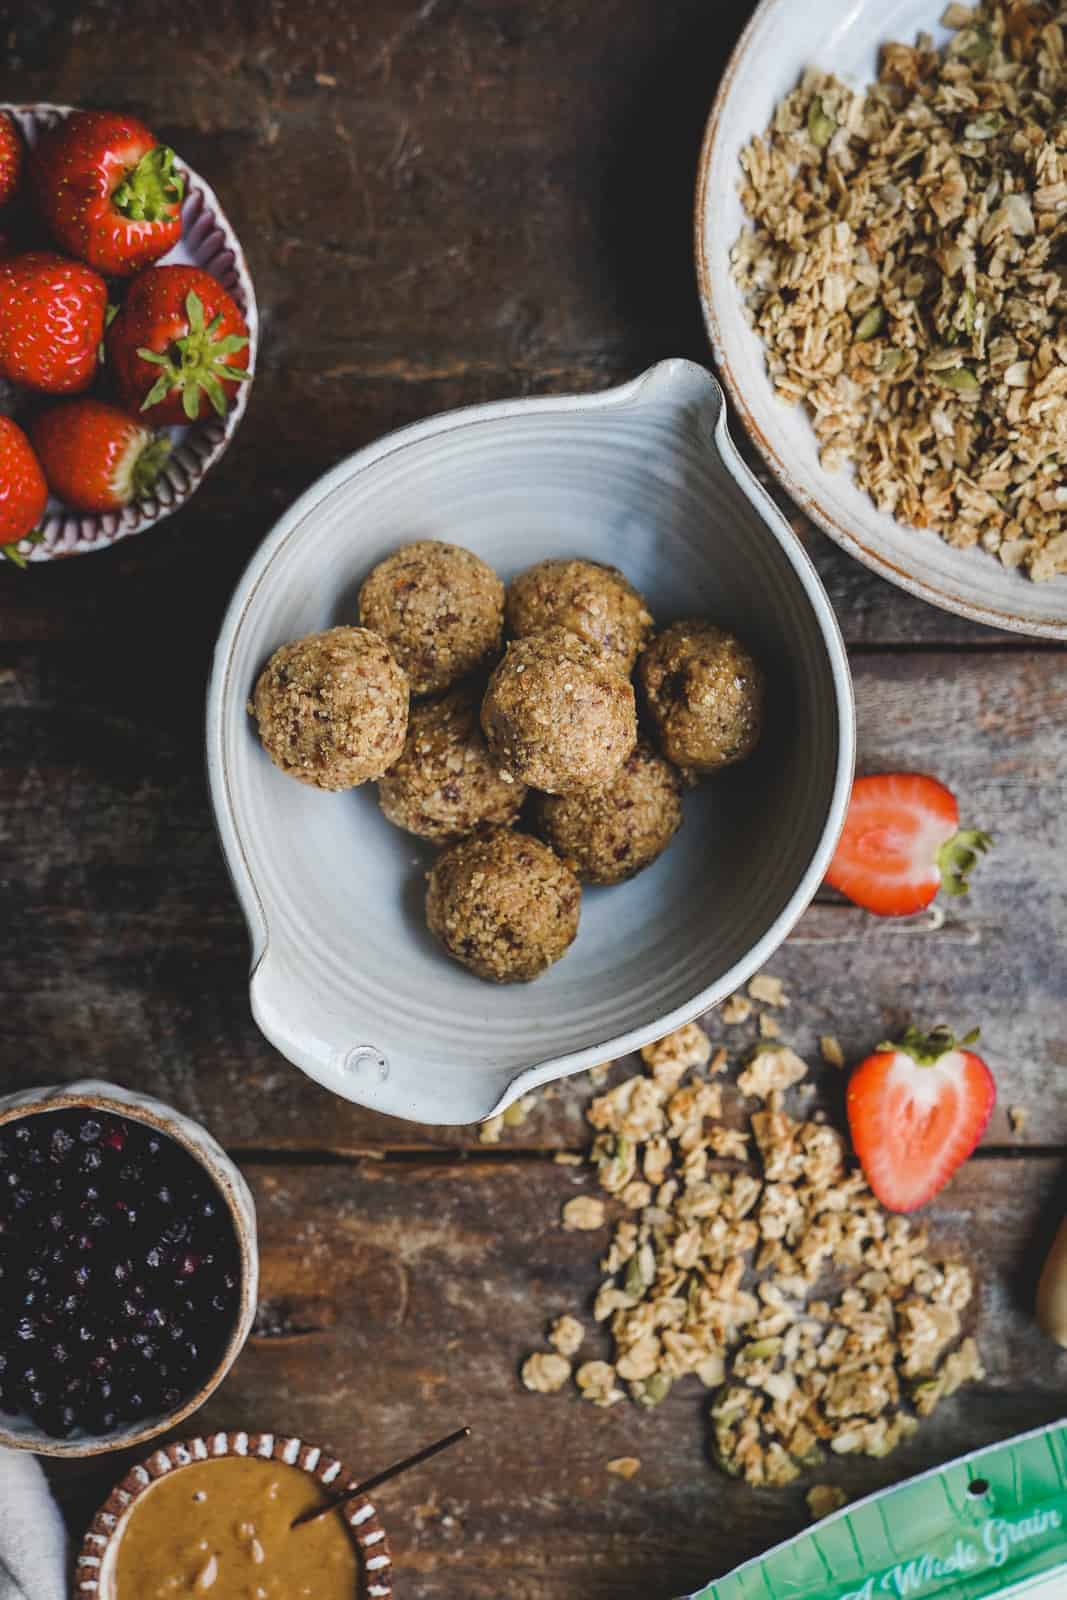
(1052, 1290)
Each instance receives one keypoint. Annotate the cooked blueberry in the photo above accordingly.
(25, 1329)
(61, 1144)
(91, 1159)
(89, 1131)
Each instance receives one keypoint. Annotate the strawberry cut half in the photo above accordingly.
(902, 843)
(916, 1110)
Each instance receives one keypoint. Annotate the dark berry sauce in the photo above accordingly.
(119, 1272)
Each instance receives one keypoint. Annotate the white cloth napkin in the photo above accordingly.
(33, 1542)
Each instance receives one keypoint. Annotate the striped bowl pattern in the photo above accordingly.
(209, 242)
(346, 980)
(95, 1566)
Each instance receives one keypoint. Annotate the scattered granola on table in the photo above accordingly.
(903, 267)
(584, 1213)
(755, 1260)
(567, 1334)
(823, 1499)
(545, 1372)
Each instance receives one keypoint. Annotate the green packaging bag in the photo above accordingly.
(992, 1524)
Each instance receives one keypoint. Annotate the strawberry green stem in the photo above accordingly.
(926, 1049)
(196, 363)
(150, 190)
(958, 857)
(148, 466)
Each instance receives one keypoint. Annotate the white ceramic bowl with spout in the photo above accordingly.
(346, 980)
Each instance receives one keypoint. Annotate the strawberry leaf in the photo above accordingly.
(153, 190)
(957, 858)
(926, 1049)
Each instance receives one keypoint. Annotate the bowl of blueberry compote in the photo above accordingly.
(128, 1268)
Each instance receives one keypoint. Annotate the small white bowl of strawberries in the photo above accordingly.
(128, 331)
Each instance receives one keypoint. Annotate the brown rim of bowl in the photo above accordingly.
(139, 1108)
(921, 588)
(364, 1523)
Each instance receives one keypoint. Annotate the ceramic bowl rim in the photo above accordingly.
(663, 375)
(208, 1154)
(362, 1517)
(777, 460)
(132, 519)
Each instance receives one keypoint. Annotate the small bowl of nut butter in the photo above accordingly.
(216, 1516)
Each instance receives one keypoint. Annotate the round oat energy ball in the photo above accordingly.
(439, 608)
(596, 602)
(503, 905)
(704, 693)
(332, 708)
(556, 715)
(608, 835)
(446, 783)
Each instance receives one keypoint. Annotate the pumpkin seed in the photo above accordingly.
(870, 323)
(821, 126)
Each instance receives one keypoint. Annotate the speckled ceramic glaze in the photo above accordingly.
(95, 1569)
(844, 37)
(208, 242)
(19, 1433)
(346, 980)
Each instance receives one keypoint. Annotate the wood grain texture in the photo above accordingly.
(123, 954)
(404, 1309)
(446, 202)
(442, 203)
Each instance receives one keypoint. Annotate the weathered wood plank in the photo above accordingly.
(122, 952)
(415, 248)
(424, 1287)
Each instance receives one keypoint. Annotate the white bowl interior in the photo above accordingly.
(350, 984)
(842, 36)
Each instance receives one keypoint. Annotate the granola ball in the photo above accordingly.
(503, 905)
(594, 601)
(704, 694)
(445, 783)
(610, 834)
(332, 708)
(556, 715)
(439, 608)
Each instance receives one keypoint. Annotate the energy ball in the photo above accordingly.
(439, 608)
(594, 601)
(610, 834)
(503, 905)
(556, 715)
(332, 708)
(446, 783)
(704, 694)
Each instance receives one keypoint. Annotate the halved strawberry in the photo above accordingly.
(916, 1110)
(96, 457)
(902, 842)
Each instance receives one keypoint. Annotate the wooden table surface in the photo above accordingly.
(445, 202)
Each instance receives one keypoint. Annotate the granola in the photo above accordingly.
(755, 1260)
(545, 1372)
(903, 268)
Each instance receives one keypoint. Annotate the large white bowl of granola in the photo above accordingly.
(881, 220)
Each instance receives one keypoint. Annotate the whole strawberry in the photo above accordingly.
(10, 158)
(96, 457)
(109, 191)
(178, 347)
(51, 322)
(23, 492)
